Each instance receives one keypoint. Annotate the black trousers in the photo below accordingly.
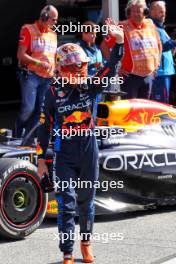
(137, 86)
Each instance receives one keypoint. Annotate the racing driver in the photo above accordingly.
(69, 107)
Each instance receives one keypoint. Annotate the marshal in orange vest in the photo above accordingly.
(43, 47)
(144, 47)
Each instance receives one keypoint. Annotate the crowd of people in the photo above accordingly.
(147, 64)
(144, 50)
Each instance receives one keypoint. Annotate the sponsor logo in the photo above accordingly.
(162, 177)
(39, 150)
(77, 117)
(83, 96)
(61, 94)
(32, 228)
(42, 118)
(73, 107)
(22, 165)
(52, 207)
(139, 161)
(31, 158)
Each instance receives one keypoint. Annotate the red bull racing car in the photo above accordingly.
(137, 166)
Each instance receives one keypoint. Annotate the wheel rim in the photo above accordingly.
(19, 199)
(22, 200)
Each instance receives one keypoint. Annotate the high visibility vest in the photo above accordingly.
(144, 47)
(43, 47)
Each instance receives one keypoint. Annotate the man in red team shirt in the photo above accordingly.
(142, 50)
(37, 58)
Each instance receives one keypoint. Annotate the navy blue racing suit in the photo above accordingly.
(76, 157)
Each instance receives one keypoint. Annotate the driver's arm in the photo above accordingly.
(108, 71)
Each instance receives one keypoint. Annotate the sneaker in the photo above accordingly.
(86, 251)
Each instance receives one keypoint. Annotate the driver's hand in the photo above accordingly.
(42, 168)
(115, 30)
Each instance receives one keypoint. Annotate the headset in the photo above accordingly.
(44, 15)
(128, 10)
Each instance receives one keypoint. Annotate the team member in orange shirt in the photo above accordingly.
(37, 57)
(142, 51)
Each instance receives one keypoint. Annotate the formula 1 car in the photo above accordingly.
(137, 160)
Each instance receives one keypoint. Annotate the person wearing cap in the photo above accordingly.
(142, 51)
(37, 57)
(161, 84)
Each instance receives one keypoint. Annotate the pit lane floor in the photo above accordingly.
(147, 238)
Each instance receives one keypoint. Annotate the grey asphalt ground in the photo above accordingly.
(148, 238)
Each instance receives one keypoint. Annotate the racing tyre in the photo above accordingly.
(22, 202)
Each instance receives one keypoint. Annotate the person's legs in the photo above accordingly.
(145, 88)
(167, 81)
(65, 164)
(66, 208)
(41, 90)
(95, 106)
(158, 89)
(161, 89)
(77, 161)
(131, 86)
(88, 175)
(43, 85)
(28, 99)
